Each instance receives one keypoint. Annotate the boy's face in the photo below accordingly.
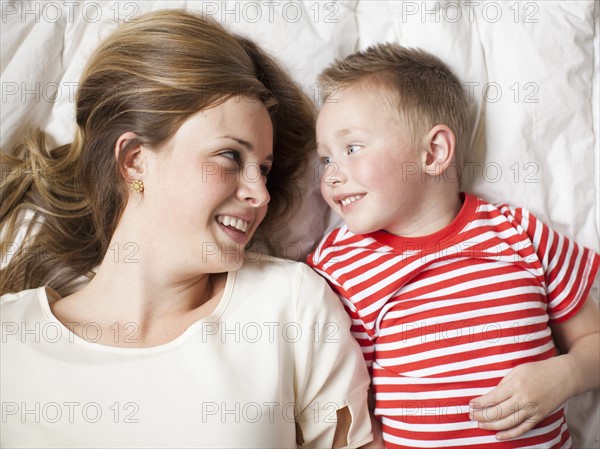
(372, 175)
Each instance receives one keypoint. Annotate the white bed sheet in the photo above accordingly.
(530, 67)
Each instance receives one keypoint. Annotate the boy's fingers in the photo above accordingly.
(491, 413)
(505, 411)
(516, 431)
(496, 396)
(513, 419)
(505, 423)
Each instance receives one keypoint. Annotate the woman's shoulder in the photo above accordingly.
(20, 297)
(298, 275)
(283, 277)
(256, 263)
(13, 305)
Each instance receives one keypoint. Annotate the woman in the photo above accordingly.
(185, 134)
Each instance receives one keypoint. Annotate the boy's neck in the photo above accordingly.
(436, 212)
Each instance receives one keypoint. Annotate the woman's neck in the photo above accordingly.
(144, 291)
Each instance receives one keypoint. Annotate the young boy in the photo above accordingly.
(452, 299)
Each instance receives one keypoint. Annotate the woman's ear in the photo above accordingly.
(440, 145)
(130, 156)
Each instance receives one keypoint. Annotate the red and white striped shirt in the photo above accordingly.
(441, 319)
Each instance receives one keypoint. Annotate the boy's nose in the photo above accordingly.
(333, 175)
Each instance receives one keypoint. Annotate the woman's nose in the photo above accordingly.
(253, 187)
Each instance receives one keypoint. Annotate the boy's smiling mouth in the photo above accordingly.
(346, 200)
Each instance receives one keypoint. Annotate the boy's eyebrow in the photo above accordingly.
(321, 146)
(343, 132)
(247, 145)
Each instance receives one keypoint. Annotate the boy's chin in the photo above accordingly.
(358, 228)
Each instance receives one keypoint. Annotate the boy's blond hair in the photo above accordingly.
(421, 89)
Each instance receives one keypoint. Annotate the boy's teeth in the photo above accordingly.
(237, 223)
(350, 200)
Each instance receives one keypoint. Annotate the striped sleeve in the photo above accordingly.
(569, 269)
(321, 261)
(360, 333)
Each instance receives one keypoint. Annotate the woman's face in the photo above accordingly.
(206, 194)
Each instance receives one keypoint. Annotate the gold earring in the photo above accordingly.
(137, 186)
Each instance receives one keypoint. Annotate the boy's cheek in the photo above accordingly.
(324, 190)
(331, 204)
(327, 195)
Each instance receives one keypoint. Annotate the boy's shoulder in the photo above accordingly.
(522, 219)
(338, 240)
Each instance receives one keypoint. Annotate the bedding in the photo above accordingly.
(530, 70)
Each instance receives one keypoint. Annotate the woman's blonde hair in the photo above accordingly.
(147, 77)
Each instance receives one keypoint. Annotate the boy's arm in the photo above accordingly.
(579, 340)
(532, 391)
(377, 442)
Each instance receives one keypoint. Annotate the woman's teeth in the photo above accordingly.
(234, 222)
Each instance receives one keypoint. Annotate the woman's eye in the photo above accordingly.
(325, 160)
(264, 170)
(234, 159)
(353, 148)
(233, 155)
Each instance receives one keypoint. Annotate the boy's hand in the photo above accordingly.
(532, 391)
(527, 395)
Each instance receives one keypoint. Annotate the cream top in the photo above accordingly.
(276, 350)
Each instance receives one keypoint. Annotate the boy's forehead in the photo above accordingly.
(339, 120)
(353, 108)
(346, 102)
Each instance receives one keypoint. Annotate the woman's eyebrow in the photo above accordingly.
(242, 142)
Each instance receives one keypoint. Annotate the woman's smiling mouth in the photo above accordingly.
(235, 222)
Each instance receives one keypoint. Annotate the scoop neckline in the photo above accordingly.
(44, 301)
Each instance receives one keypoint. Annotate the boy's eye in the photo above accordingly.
(353, 148)
(325, 160)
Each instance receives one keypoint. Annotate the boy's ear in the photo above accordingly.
(440, 144)
(129, 148)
